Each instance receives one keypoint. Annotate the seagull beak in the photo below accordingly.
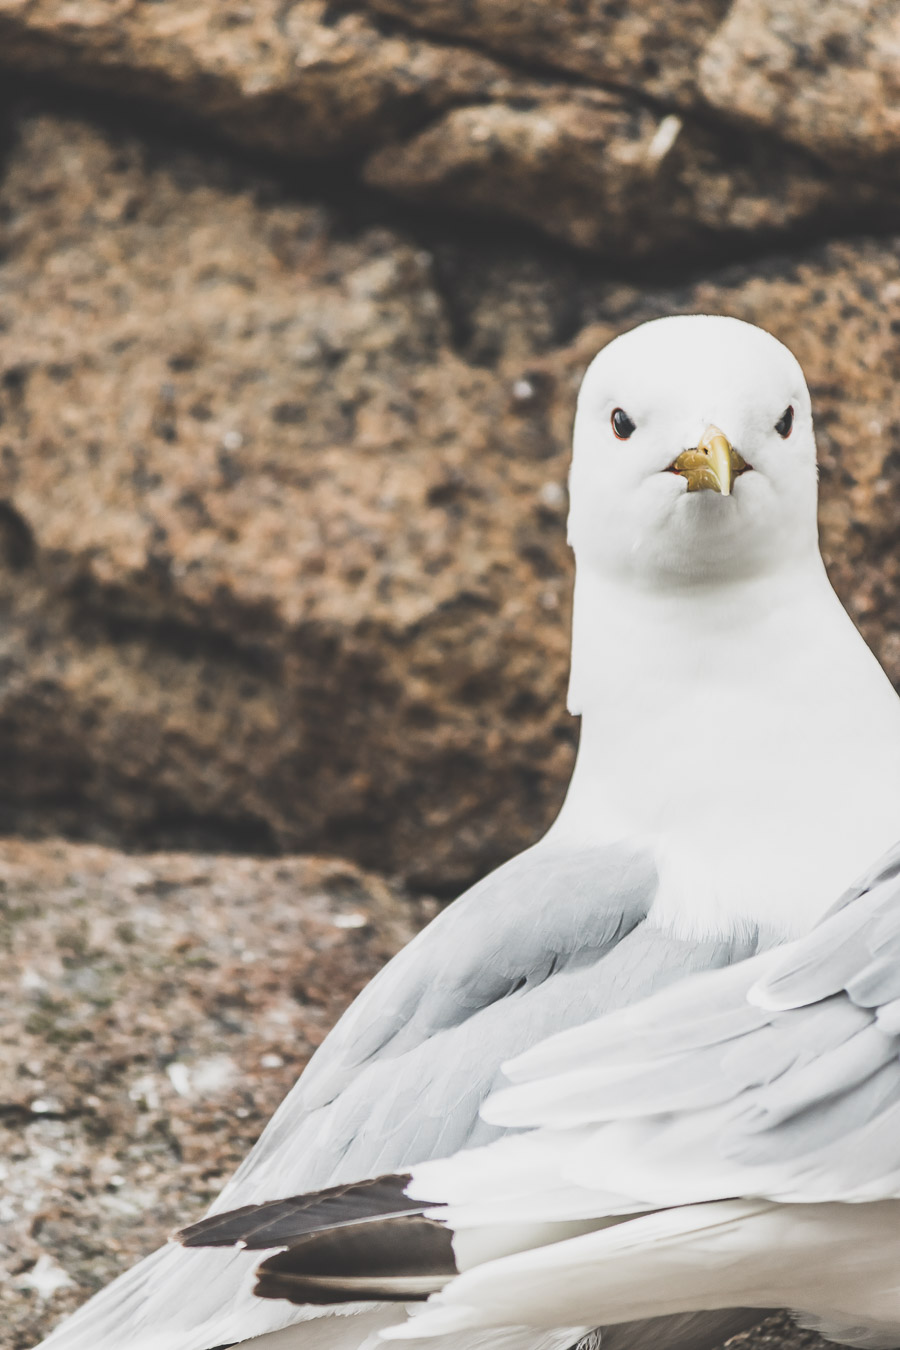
(713, 464)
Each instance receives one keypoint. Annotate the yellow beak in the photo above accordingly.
(714, 464)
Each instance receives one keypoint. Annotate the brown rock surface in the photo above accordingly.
(284, 567)
(259, 513)
(296, 78)
(605, 170)
(823, 73)
(652, 47)
(155, 1011)
(613, 177)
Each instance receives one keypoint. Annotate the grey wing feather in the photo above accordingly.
(423, 1101)
(543, 909)
(788, 1065)
(405, 1069)
(843, 944)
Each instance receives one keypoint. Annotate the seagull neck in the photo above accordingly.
(628, 637)
(689, 699)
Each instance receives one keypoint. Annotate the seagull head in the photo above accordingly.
(694, 456)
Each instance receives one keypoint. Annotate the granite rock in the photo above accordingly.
(652, 48)
(822, 73)
(297, 78)
(597, 158)
(253, 511)
(155, 1011)
(619, 179)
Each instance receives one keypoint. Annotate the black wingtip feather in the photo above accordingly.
(280, 1223)
(348, 1243)
(403, 1258)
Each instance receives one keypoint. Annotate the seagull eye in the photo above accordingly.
(785, 423)
(622, 424)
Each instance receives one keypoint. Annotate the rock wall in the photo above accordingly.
(294, 302)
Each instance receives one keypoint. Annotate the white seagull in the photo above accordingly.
(739, 765)
(728, 1145)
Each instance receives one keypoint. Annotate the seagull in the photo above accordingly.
(728, 1145)
(738, 767)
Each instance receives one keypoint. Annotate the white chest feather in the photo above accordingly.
(747, 734)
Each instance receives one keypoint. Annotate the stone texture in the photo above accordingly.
(155, 1011)
(651, 47)
(283, 504)
(604, 169)
(823, 73)
(615, 178)
(296, 78)
(258, 514)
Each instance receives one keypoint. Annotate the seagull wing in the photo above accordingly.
(732, 1141)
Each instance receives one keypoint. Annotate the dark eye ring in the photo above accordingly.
(622, 424)
(785, 423)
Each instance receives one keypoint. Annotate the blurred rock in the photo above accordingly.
(278, 566)
(620, 180)
(607, 169)
(823, 73)
(651, 47)
(156, 1010)
(283, 504)
(297, 78)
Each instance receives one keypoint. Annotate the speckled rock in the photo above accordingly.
(652, 47)
(282, 504)
(298, 78)
(155, 1011)
(619, 179)
(281, 566)
(607, 169)
(824, 73)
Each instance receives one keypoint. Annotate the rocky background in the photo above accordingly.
(294, 301)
